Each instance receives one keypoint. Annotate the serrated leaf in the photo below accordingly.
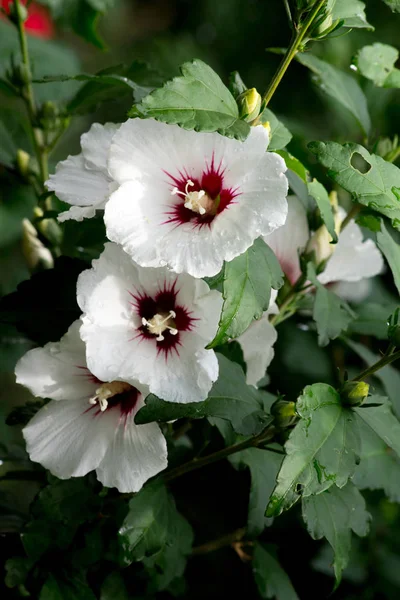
(334, 514)
(321, 451)
(270, 578)
(379, 466)
(330, 313)
(320, 195)
(376, 62)
(352, 12)
(381, 420)
(389, 376)
(378, 187)
(230, 399)
(248, 280)
(155, 533)
(264, 467)
(280, 136)
(339, 85)
(391, 251)
(197, 100)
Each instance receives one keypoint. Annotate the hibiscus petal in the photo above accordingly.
(96, 145)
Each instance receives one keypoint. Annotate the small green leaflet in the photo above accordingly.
(230, 399)
(330, 313)
(271, 579)
(264, 467)
(391, 251)
(378, 187)
(379, 466)
(334, 514)
(339, 85)
(197, 100)
(376, 62)
(382, 421)
(280, 136)
(389, 375)
(322, 450)
(153, 526)
(248, 280)
(320, 195)
(352, 12)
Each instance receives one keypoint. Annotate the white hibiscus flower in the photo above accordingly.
(83, 180)
(351, 263)
(149, 324)
(89, 424)
(191, 200)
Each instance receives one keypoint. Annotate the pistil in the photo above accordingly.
(159, 323)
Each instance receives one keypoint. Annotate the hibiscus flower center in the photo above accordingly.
(199, 202)
(159, 323)
(106, 391)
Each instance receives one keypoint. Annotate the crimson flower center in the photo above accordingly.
(159, 323)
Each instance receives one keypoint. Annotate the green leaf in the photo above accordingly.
(379, 466)
(341, 86)
(352, 12)
(14, 134)
(197, 100)
(17, 570)
(376, 62)
(321, 451)
(393, 4)
(16, 203)
(230, 399)
(298, 177)
(114, 588)
(320, 195)
(248, 280)
(377, 187)
(371, 319)
(66, 587)
(391, 250)
(264, 467)
(389, 375)
(330, 313)
(156, 533)
(270, 578)
(280, 136)
(236, 84)
(334, 514)
(382, 421)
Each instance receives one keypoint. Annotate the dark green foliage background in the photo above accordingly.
(229, 35)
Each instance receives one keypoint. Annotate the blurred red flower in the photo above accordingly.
(38, 23)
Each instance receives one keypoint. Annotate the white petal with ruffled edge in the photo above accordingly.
(291, 239)
(145, 153)
(116, 350)
(83, 180)
(257, 344)
(353, 259)
(58, 370)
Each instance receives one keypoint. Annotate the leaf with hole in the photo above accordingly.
(322, 449)
(372, 181)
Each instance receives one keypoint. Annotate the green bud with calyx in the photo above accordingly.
(249, 103)
(394, 327)
(23, 160)
(48, 228)
(284, 413)
(320, 243)
(353, 393)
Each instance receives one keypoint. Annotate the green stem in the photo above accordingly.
(291, 52)
(225, 540)
(29, 98)
(197, 463)
(288, 299)
(350, 216)
(385, 360)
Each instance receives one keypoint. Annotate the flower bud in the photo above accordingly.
(49, 228)
(23, 160)
(35, 253)
(320, 243)
(249, 103)
(353, 393)
(284, 413)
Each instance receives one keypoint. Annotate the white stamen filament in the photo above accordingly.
(106, 391)
(159, 323)
(196, 201)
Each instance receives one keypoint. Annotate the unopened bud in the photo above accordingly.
(23, 160)
(353, 393)
(49, 228)
(284, 413)
(35, 253)
(249, 103)
(320, 243)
